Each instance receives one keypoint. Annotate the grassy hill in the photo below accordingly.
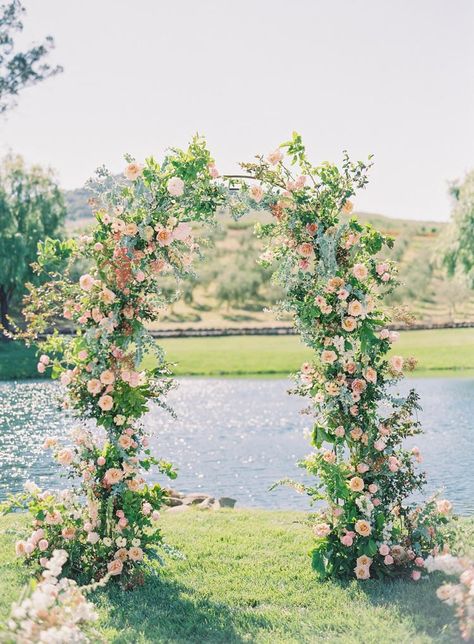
(232, 290)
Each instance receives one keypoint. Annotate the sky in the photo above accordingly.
(370, 76)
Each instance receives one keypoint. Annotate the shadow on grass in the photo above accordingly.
(165, 611)
(419, 603)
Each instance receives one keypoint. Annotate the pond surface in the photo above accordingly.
(238, 437)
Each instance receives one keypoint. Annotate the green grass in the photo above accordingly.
(441, 352)
(17, 361)
(247, 578)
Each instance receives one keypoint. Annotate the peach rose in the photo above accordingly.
(355, 308)
(322, 530)
(121, 554)
(364, 560)
(349, 324)
(115, 567)
(396, 363)
(306, 249)
(348, 207)
(65, 456)
(164, 237)
(328, 357)
(256, 192)
(356, 484)
(133, 171)
(275, 157)
(362, 572)
(363, 528)
(20, 548)
(106, 402)
(358, 385)
(360, 271)
(113, 476)
(94, 386)
(107, 377)
(135, 553)
(131, 229)
(444, 506)
(125, 441)
(370, 375)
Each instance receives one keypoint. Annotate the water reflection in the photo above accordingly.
(237, 437)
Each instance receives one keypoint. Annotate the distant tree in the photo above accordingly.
(31, 209)
(19, 69)
(460, 250)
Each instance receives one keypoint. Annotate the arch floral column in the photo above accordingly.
(329, 265)
(108, 523)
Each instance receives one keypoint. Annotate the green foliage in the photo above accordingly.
(31, 209)
(460, 249)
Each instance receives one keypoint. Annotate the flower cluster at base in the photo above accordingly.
(461, 594)
(56, 612)
(334, 279)
(108, 523)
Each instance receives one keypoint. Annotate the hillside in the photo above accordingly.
(232, 290)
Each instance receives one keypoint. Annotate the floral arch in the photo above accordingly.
(329, 266)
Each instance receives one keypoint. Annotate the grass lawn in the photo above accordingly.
(446, 352)
(439, 352)
(247, 578)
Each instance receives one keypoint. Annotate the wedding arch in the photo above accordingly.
(334, 281)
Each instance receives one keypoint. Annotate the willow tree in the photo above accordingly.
(31, 209)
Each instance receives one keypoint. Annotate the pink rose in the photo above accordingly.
(41, 367)
(101, 461)
(384, 550)
(388, 560)
(182, 231)
(43, 545)
(415, 575)
(175, 186)
(86, 282)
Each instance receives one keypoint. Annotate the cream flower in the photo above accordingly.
(133, 171)
(175, 186)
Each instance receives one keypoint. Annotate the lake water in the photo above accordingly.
(237, 437)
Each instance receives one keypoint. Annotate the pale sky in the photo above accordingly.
(389, 77)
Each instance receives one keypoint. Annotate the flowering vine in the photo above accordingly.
(107, 522)
(330, 267)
